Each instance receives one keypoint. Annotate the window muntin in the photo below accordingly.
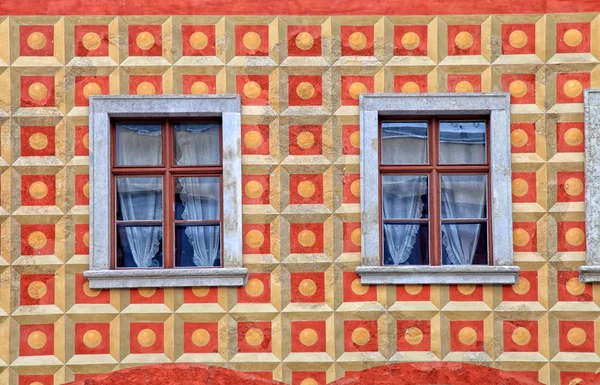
(434, 191)
(167, 190)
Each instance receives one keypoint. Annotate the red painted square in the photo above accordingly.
(37, 91)
(306, 189)
(306, 140)
(351, 139)
(466, 336)
(352, 237)
(304, 40)
(521, 87)
(518, 39)
(256, 189)
(570, 87)
(464, 40)
(526, 290)
(577, 40)
(82, 238)
(360, 336)
(92, 338)
(36, 289)
(570, 136)
(36, 379)
(198, 40)
(520, 336)
(200, 295)
(306, 238)
(38, 190)
(525, 236)
(251, 40)
(86, 86)
(351, 188)
(36, 40)
(146, 337)
(82, 141)
(410, 84)
(255, 139)
(577, 378)
(37, 239)
(354, 291)
(571, 236)
(307, 287)
(38, 141)
(308, 336)
(413, 293)
(91, 40)
(254, 337)
(309, 378)
(36, 340)
(305, 90)
(464, 83)
(358, 40)
(462, 293)
(257, 238)
(257, 290)
(82, 189)
(524, 187)
(199, 84)
(571, 289)
(145, 40)
(83, 293)
(522, 138)
(410, 40)
(263, 375)
(571, 186)
(200, 337)
(576, 336)
(145, 85)
(353, 86)
(254, 89)
(145, 295)
(414, 335)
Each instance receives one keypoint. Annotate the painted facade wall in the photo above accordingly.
(303, 314)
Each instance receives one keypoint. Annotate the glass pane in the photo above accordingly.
(464, 196)
(198, 199)
(404, 143)
(463, 142)
(464, 244)
(197, 143)
(197, 246)
(139, 199)
(405, 196)
(139, 246)
(139, 144)
(406, 244)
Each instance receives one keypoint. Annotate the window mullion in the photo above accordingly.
(168, 226)
(434, 198)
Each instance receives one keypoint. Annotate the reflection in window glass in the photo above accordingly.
(462, 142)
(404, 143)
(406, 244)
(197, 144)
(463, 196)
(139, 144)
(139, 246)
(464, 244)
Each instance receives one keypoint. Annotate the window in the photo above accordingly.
(165, 204)
(444, 174)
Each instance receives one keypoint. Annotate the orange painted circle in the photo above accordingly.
(463, 40)
(413, 336)
(37, 340)
(36, 40)
(86, 141)
(304, 41)
(522, 287)
(411, 88)
(410, 41)
(573, 88)
(521, 336)
(305, 90)
(251, 40)
(466, 289)
(463, 86)
(355, 188)
(198, 40)
(308, 337)
(519, 187)
(199, 88)
(361, 336)
(357, 41)
(518, 89)
(254, 337)
(145, 88)
(520, 237)
(576, 336)
(92, 338)
(307, 238)
(413, 289)
(145, 40)
(518, 138)
(306, 189)
(37, 240)
(307, 287)
(88, 291)
(252, 90)
(358, 288)
(573, 37)
(91, 41)
(146, 292)
(356, 89)
(255, 239)
(355, 236)
(574, 286)
(573, 186)
(38, 141)
(573, 136)
(254, 287)
(355, 139)
(305, 140)
(37, 91)
(200, 291)
(90, 89)
(38, 190)
(253, 189)
(146, 338)
(575, 236)
(467, 336)
(201, 337)
(517, 39)
(37, 289)
(253, 139)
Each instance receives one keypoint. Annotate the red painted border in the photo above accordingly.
(286, 7)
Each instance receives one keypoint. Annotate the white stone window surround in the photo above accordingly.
(102, 109)
(590, 272)
(497, 106)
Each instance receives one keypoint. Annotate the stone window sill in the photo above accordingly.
(116, 279)
(589, 273)
(442, 275)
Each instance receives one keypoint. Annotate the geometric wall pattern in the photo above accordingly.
(304, 318)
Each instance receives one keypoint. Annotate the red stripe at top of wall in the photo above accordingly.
(293, 7)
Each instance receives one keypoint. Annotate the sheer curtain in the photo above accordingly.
(198, 144)
(402, 193)
(140, 198)
(462, 196)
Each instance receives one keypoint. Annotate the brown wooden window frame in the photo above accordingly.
(433, 169)
(169, 171)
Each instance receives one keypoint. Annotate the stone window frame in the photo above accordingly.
(497, 106)
(590, 272)
(101, 110)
